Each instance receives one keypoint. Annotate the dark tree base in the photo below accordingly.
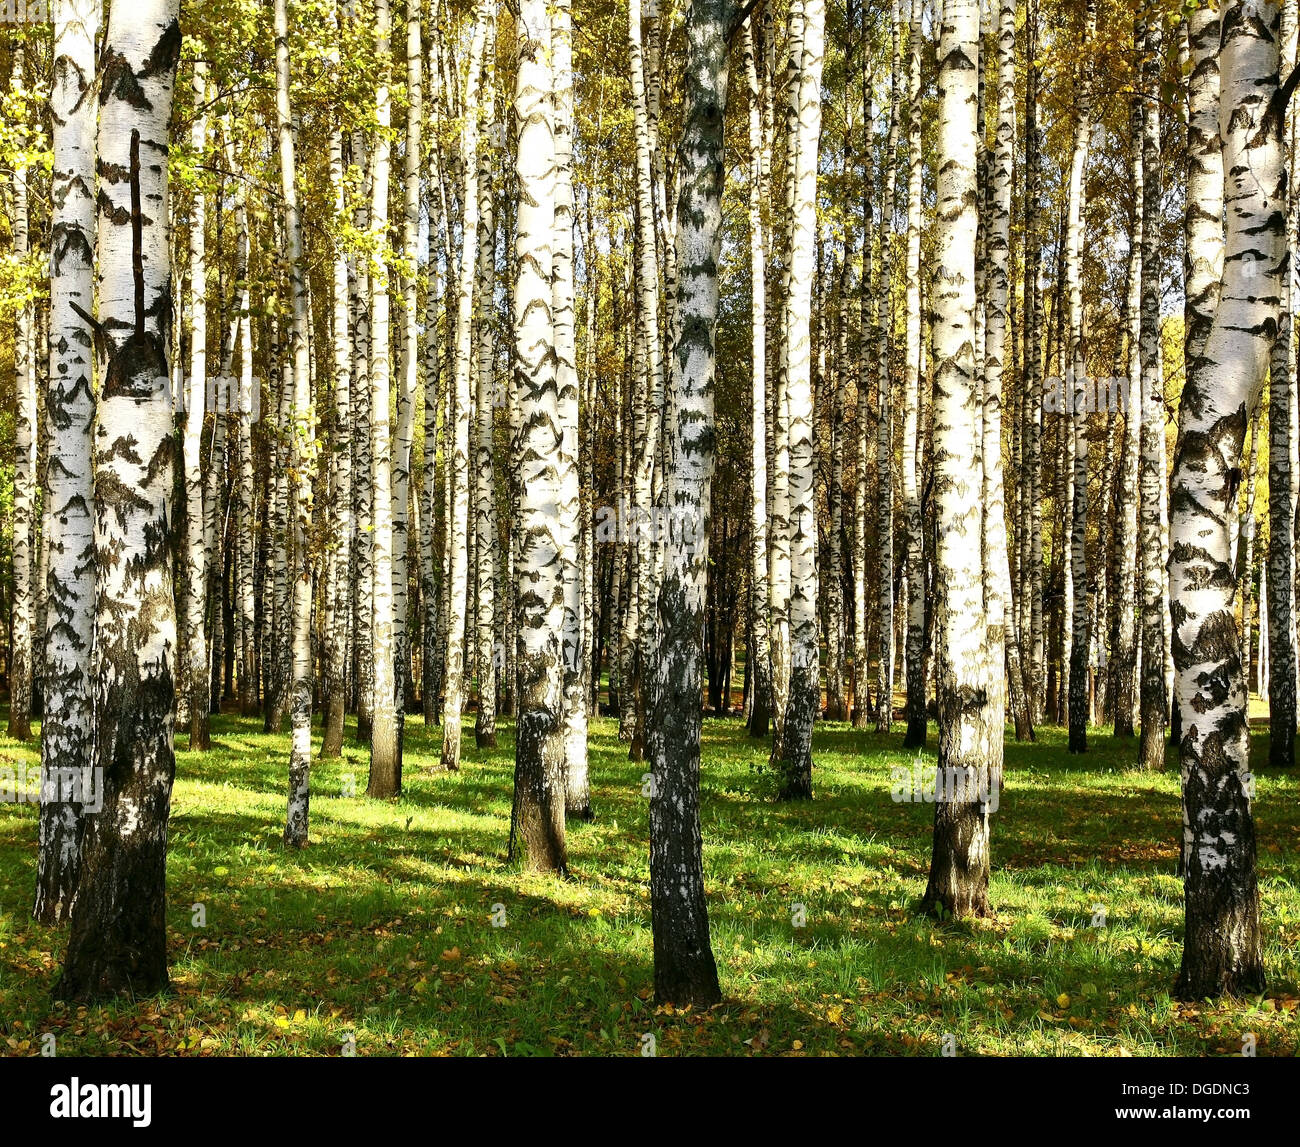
(682, 985)
(385, 758)
(1151, 748)
(1207, 977)
(1222, 950)
(916, 731)
(101, 980)
(958, 887)
(956, 904)
(117, 944)
(540, 796)
(485, 740)
(796, 789)
(332, 737)
(545, 846)
(200, 731)
(1281, 748)
(58, 869)
(862, 710)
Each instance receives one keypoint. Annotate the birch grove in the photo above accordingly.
(687, 393)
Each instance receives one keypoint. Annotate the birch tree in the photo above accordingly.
(386, 722)
(685, 970)
(868, 307)
(577, 785)
(1283, 488)
(1221, 945)
(437, 241)
(1124, 653)
(24, 491)
(540, 739)
(1151, 474)
(884, 328)
(196, 542)
(409, 362)
(795, 742)
(302, 459)
(362, 473)
(833, 377)
(67, 729)
(245, 591)
(458, 430)
(1077, 660)
(649, 401)
(336, 644)
(911, 490)
(118, 932)
(779, 560)
(1033, 390)
(485, 403)
(1004, 644)
(970, 730)
(760, 649)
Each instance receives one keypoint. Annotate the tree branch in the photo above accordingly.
(738, 19)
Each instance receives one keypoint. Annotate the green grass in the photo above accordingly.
(381, 930)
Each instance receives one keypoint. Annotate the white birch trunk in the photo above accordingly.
(458, 429)
(195, 681)
(1151, 474)
(1076, 659)
(1283, 488)
(577, 785)
(24, 489)
(649, 398)
(486, 402)
(805, 690)
(302, 457)
(685, 970)
(118, 939)
(970, 732)
(540, 742)
(1124, 655)
(409, 365)
(386, 723)
(67, 727)
(340, 586)
(912, 380)
(1222, 947)
(884, 328)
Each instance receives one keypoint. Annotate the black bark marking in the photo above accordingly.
(119, 81)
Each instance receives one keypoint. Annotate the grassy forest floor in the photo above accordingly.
(382, 929)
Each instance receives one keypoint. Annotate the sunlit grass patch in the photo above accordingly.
(402, 929)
